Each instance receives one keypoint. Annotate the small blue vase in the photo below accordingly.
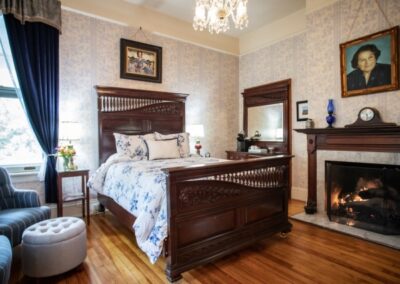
(330, 119)
(331, 107)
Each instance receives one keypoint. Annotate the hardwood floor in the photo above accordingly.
(309, 255)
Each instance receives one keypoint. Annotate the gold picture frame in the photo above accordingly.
(370, 64)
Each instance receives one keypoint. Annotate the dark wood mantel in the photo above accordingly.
(369, 139)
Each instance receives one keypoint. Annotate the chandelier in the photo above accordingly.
(215, 14)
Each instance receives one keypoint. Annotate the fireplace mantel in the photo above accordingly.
(369, 139)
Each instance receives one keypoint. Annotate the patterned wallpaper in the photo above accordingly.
(90, 54)
(312, 60)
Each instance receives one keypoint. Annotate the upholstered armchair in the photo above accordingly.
(5, 259)
(18, 209)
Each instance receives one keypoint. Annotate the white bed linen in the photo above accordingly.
(140, 188)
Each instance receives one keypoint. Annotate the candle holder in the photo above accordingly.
(330, 119)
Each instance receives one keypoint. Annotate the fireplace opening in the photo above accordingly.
(364, 195)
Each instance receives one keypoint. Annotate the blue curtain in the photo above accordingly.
(35, 51)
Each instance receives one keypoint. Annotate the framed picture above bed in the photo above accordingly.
(140, 61)
(370, 64)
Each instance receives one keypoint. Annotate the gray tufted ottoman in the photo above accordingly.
(53, 246)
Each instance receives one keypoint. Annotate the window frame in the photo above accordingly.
(8, 92)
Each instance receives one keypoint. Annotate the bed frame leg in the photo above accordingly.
(101, 208)
(283, 235)
(173, 277)
(285, 232)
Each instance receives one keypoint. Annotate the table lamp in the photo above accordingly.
(69, 131)
(196, 131)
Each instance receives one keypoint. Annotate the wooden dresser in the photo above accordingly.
(235, 155)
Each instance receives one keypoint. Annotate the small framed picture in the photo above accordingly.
(302, 110)
(370, 64)
(140, 61)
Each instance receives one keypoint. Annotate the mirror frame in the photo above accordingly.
(273, 93)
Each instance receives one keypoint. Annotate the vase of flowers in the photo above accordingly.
(67, 153)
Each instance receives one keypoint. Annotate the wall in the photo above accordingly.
(279, 30)
(312, 60)
(90, 55)
(136, 15)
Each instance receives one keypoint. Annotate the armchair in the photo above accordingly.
(18, 209)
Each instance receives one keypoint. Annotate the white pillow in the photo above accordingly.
(132, 146)
(183, 141)
(148, 136)
(164, 149)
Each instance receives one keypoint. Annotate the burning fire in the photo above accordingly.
(348, 198)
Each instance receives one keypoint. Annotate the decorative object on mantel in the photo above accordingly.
(140, 61)
(309, 123)
(369, 64)
(330, 119)
(215, 14)
(369, 117)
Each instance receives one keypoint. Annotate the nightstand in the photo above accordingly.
(84, 197)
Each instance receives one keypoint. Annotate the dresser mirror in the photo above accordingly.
(267, 116)
(267, 120)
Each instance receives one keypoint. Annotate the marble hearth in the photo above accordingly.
(321, 219)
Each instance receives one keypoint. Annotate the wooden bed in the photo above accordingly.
(213, 210)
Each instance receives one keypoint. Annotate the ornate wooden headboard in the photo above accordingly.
(133, 112)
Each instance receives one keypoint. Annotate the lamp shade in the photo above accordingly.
(195, 130)
(70, 130)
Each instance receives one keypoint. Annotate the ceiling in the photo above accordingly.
(261, 12)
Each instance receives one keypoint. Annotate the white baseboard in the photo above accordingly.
(299, 193)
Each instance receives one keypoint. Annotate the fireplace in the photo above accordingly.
(364, 195)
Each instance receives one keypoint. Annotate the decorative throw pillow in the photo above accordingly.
(163, 149)
(131, 146)
(148, 136)
(183, 141)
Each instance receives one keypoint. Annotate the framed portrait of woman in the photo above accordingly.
(370, 64)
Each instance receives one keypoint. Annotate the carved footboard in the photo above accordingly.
(215, 210)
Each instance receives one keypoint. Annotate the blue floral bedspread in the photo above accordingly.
(140, 188)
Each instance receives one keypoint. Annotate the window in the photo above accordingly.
(18, 144)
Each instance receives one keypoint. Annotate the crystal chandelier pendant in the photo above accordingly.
(215, 14)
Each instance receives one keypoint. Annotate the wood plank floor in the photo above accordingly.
(309, 255)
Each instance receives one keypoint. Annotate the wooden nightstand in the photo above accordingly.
(84, 174)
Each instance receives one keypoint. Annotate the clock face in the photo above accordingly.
(367, 114)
